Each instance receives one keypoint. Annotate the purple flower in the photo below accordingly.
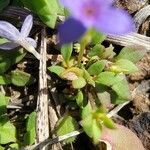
(17, 38)
(98, 14)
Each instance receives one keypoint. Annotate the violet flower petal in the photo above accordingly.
(9, 45)
(79, 8)
(71, 5)
(70, 31)
(8, 31)
(89, 11)
(115, 21)
(27, 26)
(31, 42)
(77, 3)
(103, 3)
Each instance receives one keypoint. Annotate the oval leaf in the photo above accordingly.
(46, 9)
(79, 83)
(132, 53)
(7, 133)
(97, 67)
(66, 52)
(20, 78)
(125, 66)
(122, 89)
(56, 69)
(66, 125)
(108, 78)
(80, 98)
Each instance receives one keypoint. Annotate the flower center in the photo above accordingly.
(89, 11)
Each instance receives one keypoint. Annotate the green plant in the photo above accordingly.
(96, 70)
(7, 129)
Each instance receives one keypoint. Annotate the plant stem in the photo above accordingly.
(81, 53)
(31, 49)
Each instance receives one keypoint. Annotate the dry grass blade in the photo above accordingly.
(18, 13)
(117, 109)
(42, 103)
(53, 141)
(141, 16)
(131, 39)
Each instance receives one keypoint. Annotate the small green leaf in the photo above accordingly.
(14, 146)
(101, 88)
(108, 122)
(56, 69)
(97, 50)
(61, 9)
(31, 121)
(124, 65)
(97, 37)
(17, 56)
(108, 78)
(87, 123)
(88, 78)
(4, 65)
(92, 128)
(46, 9)
(96, 128)
(101, 111)
(80, 98)
(109, 53)
(13, 56)
(116, 99)
(9, 58)
(87, 110)
(3, 104)
(122, 89)
(20, 78)
(79, 83)
(66, 52)
(2, 148)
(7, 133)
(66, 125)
(49, 20)
(132, 53)
(30, 135)
(97, 67)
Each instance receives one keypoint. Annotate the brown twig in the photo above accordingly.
(42, 123)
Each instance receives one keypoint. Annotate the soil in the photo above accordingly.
(131, 5)
(141, 126)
